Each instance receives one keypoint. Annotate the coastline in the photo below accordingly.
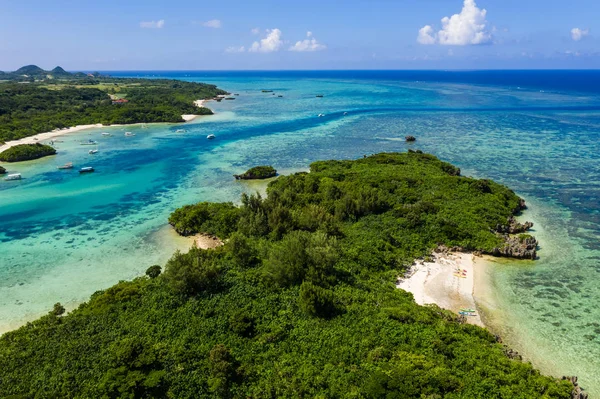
(38, 138)
(438, 282)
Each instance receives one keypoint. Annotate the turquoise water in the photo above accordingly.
(64, 236)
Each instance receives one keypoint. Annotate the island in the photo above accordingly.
(257, 172)
(300, 301)
(26, 152)
(37, 101)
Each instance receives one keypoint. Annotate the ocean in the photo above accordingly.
(63, 236)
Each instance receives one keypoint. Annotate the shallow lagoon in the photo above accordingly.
(64, 236)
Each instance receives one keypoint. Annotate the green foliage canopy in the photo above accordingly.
(299, 302)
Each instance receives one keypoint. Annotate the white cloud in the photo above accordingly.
(152, 24)
(577, 34)
(213, 23)
(308, 44)
(255, 31)
(468, 27)
(232, 49)
(272, 42)
(426, 35)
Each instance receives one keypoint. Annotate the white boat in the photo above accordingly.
(210, 136)
(87, 169)
(321, 115)
(66, 166)
(106, 134)
(129, 134)
(345, 113)
(92, 152)
(90, 142)
(180, 131)
(14, 176)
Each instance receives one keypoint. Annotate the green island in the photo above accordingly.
(35, 101)
(257, 172)
(26, 152)
(299, 302)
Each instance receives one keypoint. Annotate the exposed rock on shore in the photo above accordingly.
(578, 392)
(512, 226)
(523, 246)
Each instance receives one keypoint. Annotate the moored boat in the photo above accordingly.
(180, 131)
(68, 165)
(92, 152)
(210, 136)
(87, 169)
(106, 134)
(90, 142)
(129, 134)
(13, 176)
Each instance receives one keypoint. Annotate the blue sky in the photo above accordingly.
(305, 34)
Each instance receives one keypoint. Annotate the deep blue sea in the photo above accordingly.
(64, 236)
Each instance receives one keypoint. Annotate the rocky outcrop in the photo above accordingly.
(523, 246)
(512, 354)
(577, 392)
(512, 226)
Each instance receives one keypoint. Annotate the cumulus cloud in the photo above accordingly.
(577, 34)
(427, 35)
(272, 42)
(308, 44)
(468, 27)
(233, 49)
(152, 24)
(213, 23)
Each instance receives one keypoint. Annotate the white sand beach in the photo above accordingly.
(189, 117)
(447, 281)
(38, 138)
(41, 137)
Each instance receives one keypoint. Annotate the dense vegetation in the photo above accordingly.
(2, 170)
(299, 302)
(258, 172)
(66, 100)
(25, 152)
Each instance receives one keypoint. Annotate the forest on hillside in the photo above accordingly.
(299, 302)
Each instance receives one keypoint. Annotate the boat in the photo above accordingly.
(90, 142)
(321, 115)
(14, 176)
(180, 131)
(469, 310)
(467, 314)
(210, 136)
(87, 169)
(280, 96)
(66, 166)
(319, 96)
(92, 152)
(106, 134)
(345, 113)
(267, 91)
(129, 134)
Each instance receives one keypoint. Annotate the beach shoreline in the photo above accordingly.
(448, 280)
(45, 136)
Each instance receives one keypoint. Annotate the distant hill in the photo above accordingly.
(59, 71)
(29, 72)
